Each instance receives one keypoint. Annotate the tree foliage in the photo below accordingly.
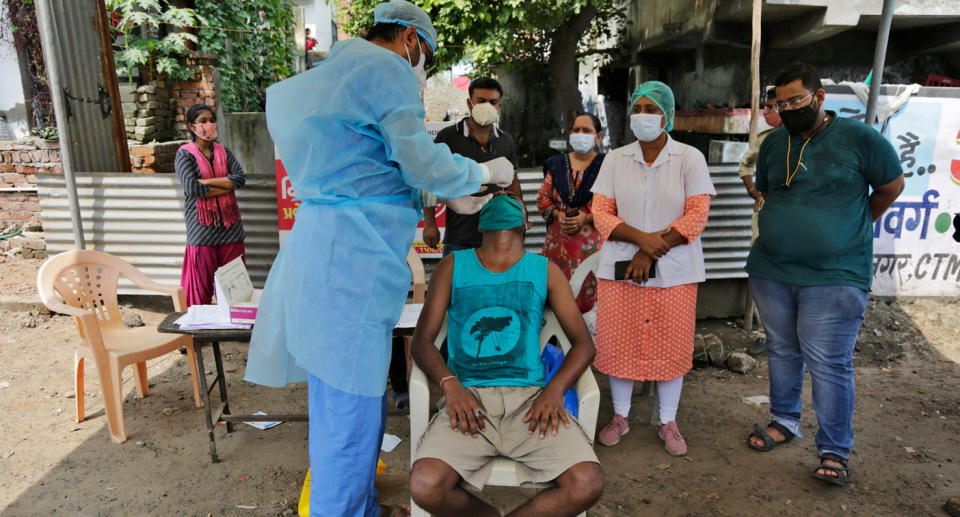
(500, 32)
(140, 44)
(255, 41)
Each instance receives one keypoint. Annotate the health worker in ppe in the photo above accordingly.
(352, 138)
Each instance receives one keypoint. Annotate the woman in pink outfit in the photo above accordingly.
(209, 173)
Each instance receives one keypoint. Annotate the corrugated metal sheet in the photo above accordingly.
(139, 218)
(83, 55)
(726, 240)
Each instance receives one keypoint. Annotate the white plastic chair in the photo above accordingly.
(86, 280)
(589, 265)
(504, 470)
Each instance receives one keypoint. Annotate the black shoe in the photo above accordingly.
(402, 400)
(758, 348)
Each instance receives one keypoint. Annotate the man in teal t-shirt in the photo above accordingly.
(496, 394)
(811, 267)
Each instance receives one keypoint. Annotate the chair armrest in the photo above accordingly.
(150, 285)
(173, 291)
(588, 395)
(86, 320)
(419, 388)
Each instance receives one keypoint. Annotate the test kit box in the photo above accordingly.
(235, 292)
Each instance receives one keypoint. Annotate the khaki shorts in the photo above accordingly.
(539, 461)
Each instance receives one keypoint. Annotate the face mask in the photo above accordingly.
(206, 131)
(419, 69)
(772, 118)
(646, 126)
(501, 213)
(800, 119)
(582, 142)
(484, 113)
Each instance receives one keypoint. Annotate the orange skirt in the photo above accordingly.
(645, 333)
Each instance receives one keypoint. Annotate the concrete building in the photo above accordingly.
(702, 49)
(13, 112)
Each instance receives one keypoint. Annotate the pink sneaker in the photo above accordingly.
(610, 435)
(673, 441)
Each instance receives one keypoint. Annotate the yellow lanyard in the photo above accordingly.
(786, 184)
(790, 176)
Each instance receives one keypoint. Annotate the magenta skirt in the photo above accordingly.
(199, 265)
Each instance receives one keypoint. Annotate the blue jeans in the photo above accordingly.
(346, 432)
(815, 328)
(450, 248)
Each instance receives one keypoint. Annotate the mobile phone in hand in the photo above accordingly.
(620, 269)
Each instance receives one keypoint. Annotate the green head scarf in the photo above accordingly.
(501, 213)
(661, 95)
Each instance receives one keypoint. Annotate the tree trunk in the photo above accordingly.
(564, 66)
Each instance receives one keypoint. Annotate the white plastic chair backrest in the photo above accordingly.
(551, 328)
(86, 279)
(589, 265)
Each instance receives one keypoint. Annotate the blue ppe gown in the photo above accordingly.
(351, 136)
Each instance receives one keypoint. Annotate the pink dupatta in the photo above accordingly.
(219, 210)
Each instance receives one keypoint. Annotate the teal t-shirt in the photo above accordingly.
(494, 321)
(818, 231)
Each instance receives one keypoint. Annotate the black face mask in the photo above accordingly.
(801, 119)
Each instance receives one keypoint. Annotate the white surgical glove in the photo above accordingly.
(467, 204)
(499, 171)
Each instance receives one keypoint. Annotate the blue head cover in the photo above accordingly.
(501, 213)
(408, 15)
(661, 95)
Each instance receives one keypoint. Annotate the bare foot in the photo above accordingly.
(773, 432)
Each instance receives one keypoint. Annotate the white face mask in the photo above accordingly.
(484, 113)
(419, 69)
(582, 142)
(646, 126)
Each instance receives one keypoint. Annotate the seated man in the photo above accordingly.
(498, 402)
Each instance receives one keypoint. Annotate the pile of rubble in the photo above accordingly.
(26, 241)
(708, 350)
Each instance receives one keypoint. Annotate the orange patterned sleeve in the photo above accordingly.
(694, 219)
(605, 215)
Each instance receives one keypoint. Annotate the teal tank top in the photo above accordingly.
(494, 321)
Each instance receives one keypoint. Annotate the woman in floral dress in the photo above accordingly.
(565, 202)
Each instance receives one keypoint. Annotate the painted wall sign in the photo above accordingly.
(916, 242)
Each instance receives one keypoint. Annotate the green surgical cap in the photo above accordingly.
(661, 95)
(408, 15)
(501, 213)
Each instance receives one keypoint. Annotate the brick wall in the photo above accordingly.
(20, 162)
(199, 91)
(152, 158)
(147, 111)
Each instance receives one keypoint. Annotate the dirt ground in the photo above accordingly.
(906, 459)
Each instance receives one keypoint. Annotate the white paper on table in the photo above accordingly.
(200, 317)
(262, 425)
(390, 442)
(411, 313)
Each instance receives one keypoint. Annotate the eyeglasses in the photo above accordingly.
(793, 103)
